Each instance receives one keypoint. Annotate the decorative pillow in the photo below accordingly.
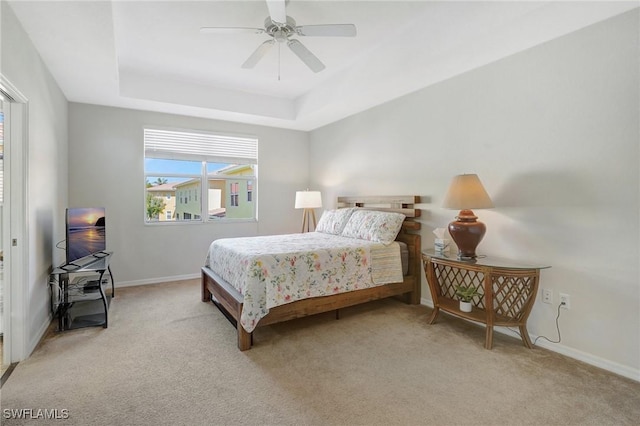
(333, 221)
(374, 226)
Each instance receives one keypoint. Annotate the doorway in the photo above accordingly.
(13, 235)
(4, 365)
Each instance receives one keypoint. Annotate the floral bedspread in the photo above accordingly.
(274, 270)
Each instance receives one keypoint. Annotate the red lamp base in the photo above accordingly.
(467, 233)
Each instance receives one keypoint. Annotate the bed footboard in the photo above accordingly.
(228, 300)
(218, 293)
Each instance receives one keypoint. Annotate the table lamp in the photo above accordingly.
(465, 193)
(308, 200)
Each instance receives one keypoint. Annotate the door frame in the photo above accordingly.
(14, 224)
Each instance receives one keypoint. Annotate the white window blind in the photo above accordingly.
(200, 146)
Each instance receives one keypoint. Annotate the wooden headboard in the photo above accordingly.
(404, 204)
(391, 203)
(409, 234)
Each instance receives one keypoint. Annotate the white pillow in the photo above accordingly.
(333, 221)
(374, 226)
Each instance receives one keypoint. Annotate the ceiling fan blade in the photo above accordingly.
(305, 55)
(277, 11)
(231, 30)
(327, 30)
(258, 54)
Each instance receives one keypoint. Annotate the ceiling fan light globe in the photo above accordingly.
(280, 36)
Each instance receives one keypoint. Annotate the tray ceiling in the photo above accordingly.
(150, 55)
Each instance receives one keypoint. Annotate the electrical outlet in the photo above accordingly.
(547, 295)
(565, 301)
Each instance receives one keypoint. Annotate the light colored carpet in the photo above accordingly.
(169, 359)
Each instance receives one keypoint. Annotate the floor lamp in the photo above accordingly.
(308, 200)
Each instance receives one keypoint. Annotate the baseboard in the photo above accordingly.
(605, 364)
(39, 336)
(156, 280)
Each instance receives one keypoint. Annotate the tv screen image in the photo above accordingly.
(86, 232)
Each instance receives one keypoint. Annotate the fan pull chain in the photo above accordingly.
(279, 61)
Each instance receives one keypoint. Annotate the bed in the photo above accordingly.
(355, 257)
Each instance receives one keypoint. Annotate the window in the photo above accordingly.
(234, 194)
(198, 177)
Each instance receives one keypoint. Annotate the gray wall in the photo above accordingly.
(47, 173)
(553, 134)
(106, 168)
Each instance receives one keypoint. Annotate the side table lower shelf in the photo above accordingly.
(477, 314)
(480, 315)
(84, 313)
(452, 306)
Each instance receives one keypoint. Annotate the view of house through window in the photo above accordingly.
(199, 177)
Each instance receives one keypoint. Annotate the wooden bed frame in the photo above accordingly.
(229, 300)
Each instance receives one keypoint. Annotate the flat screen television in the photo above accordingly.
(86, 232)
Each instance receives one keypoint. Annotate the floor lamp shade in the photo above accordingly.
(465, 193)
(308, 200)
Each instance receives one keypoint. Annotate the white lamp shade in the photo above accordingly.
(466, 192)
(308, 200)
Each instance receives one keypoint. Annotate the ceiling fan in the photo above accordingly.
(281, 28)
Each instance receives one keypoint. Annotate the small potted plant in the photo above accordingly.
(466, 293)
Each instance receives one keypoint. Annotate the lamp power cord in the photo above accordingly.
(544, 337)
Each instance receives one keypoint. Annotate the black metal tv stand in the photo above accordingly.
(78, 296)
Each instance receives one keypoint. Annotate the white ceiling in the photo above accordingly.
(150, 55)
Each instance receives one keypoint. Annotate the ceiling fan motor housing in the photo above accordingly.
(280, 32)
